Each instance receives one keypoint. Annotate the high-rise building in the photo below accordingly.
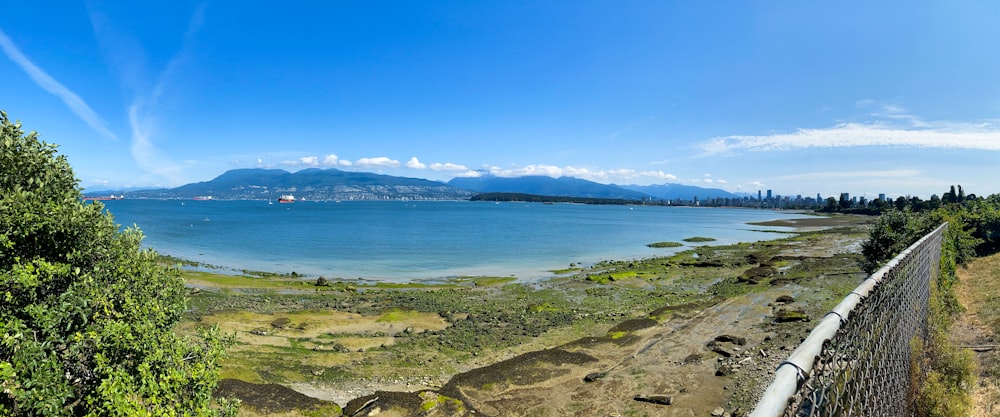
(768, 195)
(881, 196)
(758, 196)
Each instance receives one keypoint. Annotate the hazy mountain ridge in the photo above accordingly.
(547, 186)
(309, 184)
(680, 191)
(333, 184)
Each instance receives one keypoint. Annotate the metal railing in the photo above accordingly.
(856, 361)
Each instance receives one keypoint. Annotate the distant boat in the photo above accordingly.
(286, 198)
(111, 197)
(202, 198)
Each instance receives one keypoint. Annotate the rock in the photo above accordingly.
(655, 399)
(753, 275)
(692, 358)
(322, 282)
(594, 376)
(787, 299)
(731, 339)
(785, 315)
(280, 322)
(195, 290)
(720, 349)
(718, 412)
(724, 370)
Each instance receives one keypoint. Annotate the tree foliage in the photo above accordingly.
(942, 373)
(86, 313)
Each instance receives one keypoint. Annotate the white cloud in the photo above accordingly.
(47, 83)
(331, 160)
(309, 161)
(658, 175)
(943, 135)
(415, 163)
(470, 174)
(623, 175)
(894, 173)
(381, 161)
(448, 167)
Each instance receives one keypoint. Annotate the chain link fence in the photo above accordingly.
(856, 361)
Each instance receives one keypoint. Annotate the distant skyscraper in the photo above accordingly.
(881, 196)
(819, 197)
(768, 195)
(758, 195)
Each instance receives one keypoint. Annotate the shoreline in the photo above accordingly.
(349, 339)
(526, 275)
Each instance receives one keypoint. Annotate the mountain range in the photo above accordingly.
(334, 184)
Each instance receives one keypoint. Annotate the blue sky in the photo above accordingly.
(896, 97)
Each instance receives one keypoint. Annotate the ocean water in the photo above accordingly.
(405, 241)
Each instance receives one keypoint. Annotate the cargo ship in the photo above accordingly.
(286, 198)
(111, 197)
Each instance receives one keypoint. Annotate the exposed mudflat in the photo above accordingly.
(673, 336)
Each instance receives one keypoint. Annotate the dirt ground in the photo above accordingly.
(978, 329)
(713, 355)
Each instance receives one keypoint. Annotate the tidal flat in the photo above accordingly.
(589, 340)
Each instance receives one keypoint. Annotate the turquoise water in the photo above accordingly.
(401, 241)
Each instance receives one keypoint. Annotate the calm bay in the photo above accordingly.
(417, 240)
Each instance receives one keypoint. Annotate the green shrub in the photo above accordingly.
(86, 313)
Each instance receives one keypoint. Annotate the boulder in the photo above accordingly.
(787, 299)
(655, 399)
(785, 315)
(753, 275)
(736, 340)
(720, 349)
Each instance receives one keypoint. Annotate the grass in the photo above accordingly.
(698, 239)
(203, 278)
(978, 290)
(665, 245)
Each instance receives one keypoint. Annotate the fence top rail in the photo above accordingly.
(791, 372)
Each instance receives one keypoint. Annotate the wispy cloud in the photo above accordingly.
(837, 175)
(47, 83)
(919, 134)
(126, 58)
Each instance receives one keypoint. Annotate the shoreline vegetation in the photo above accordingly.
(703, 326)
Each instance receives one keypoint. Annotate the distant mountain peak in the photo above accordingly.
(310, 184)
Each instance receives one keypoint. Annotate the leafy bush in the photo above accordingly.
(86, 313)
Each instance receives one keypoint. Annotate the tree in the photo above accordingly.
(831, 204)
(901, 203)
(86, 313)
